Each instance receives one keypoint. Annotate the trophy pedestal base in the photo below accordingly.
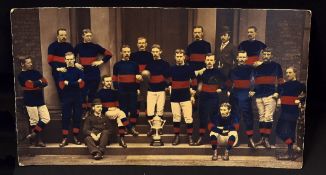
(157, 143)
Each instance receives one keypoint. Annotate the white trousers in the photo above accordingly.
(115, 114)
(37, 113)
(155, 99)
(266, 108)
(185, 107)
(223, 140)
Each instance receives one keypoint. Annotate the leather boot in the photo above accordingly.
(215, 155)
(150, 132)
(39, 142)
(226, 155)
(266, 143)
(122, 142)
(133, 132)
(31, 136)
(190, 140)
(199, 141)
(76, 140)
(176, 140)
(64, 142)
(251, 143)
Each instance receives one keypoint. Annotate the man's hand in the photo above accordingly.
(93, 135)
(192, 99)
(297, 102)
(278, 103)
(192, 92)
(170, 89)
(98, 136)
(61, 69)
(66, 82)
(79, 66)
(200, 72)
(79, 80)
(219, 90)
(275, 95)
(97, 63)
(251, 93)
(228, 93)
(138, 91)
(257, 63)
(139, 77)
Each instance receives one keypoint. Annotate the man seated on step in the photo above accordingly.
(223, 132)
(97, 129)
(110, 104)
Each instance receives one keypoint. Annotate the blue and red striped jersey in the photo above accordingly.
(32, 82)
(267, 77)
(181, 79)
(109, 98)
(196, 53)
(124, 76)
(72, 76)
(142, 58)
(56, 54)
(241, 78)
(211, 79)
(159, 70)
(289, 92)
(89, 52)
(253, 49)
(227, 123)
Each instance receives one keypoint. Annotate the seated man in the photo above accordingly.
(223, 132)
(97, 130)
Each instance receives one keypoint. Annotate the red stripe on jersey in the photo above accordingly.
(86, 61)
(265, 80)
(180, 84)
(197, 57)
(157, 79)
(252, 59)
(245, 84)
(209, 87)
(288, 100)
(127, 78)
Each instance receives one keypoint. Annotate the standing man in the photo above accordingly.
(252, 46)
(211, 83)
(33, 83)
(110, 104)
(241, 79)
(71, 81)
(223, 131)
(158, 70)
(126, 80)
(88, 52)
(268, 76)
(226, 52)
(97, 129)
(142, 58)
(56, 56)
(182, 95)
(291, 94)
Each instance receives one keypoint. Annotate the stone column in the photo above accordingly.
(50, 20)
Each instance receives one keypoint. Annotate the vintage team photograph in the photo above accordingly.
(160, 86)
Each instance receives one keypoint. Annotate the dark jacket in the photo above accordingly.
(94, 124)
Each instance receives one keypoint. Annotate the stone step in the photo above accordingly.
(146, 149)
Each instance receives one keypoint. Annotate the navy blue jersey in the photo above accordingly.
(196, 53)
(211, 79)
(159, 70)
(109, 98)
(253, 49)
(224, 124)
(32, 82)
(142, 58)
(241, 78)
(289, 92)
(56, 54)
(72, 76)
(124, 76)
(87, 53)
(181, 78)
(267, 78)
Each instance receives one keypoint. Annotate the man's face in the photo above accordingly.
(242, 58)
(225, 37)
(251, 33)
(267, 56)
(180, 58)
(70, 60)
(225, 111)
(142, 44)
(290, 74)
(125, 52)
(156, 52)
(97, 109)
(87, 37)
(198, 33)
(107, 82)
(62, 36)
(210, 61)
(28, 65)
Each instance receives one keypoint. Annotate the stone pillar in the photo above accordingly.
(252, 18)
(104, 27)
(207, 19)
(50, 20)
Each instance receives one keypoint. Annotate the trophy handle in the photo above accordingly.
(149, 121)
(163, 123)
